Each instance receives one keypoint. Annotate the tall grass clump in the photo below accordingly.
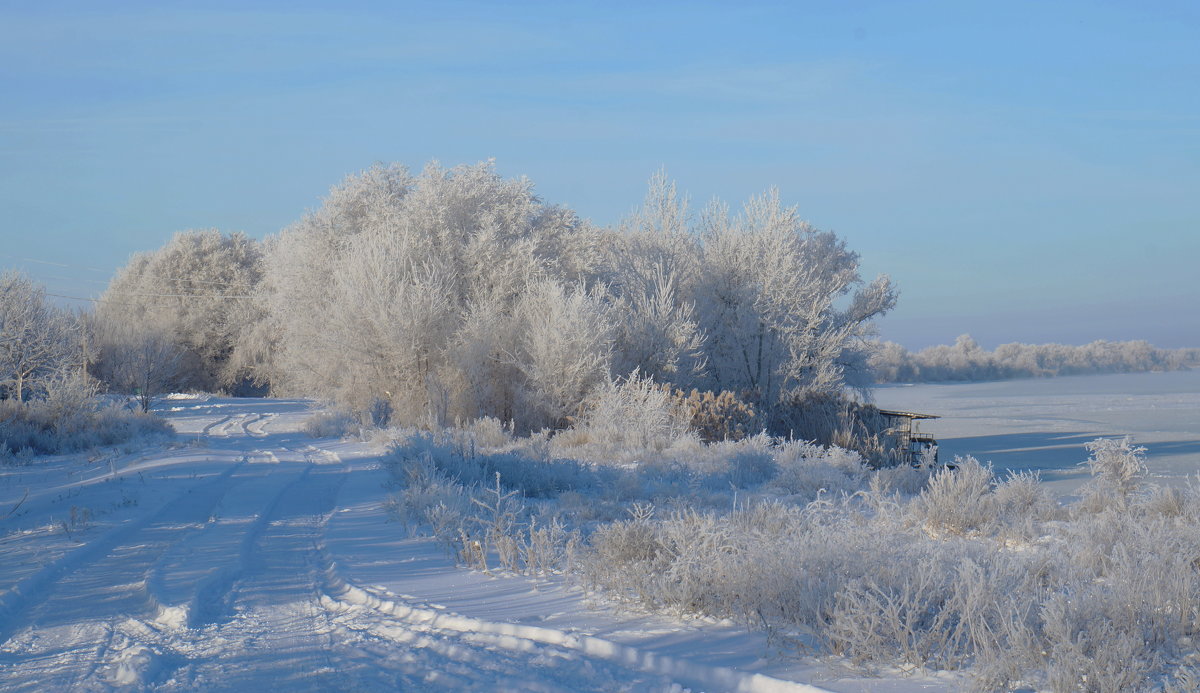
(933, 569)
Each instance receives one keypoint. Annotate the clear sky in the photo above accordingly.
(1025, 171)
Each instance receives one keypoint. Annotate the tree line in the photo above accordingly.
(966, 360)
(454, 293)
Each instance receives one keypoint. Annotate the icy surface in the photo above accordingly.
(1043, 424)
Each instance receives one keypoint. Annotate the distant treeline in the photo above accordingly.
(966, 360)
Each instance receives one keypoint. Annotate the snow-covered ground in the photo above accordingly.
(249, 556)
(1043, 424)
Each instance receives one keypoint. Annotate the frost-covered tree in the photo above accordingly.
(407, 289)
(759, 303)
(456, 293)
(136, 360)
(196, 289)
(653, 266)
(565, 347)
(37, 340)
(778, 305)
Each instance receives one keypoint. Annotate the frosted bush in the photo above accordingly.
(1022, 495)
(70, 400)
(1021, 506)
(903, 480)
(1088, 651)
(633, 414)
(39, 427)
(990, 577)
(808, 470)
(330, 424)
(533, 477)
(488, 432)
(879, 620)
(1117, 467)
(1184, 679)
(968, 500)
(957, 501)
(546, 546)
(716, 416)
(1167, 502)
(426, 494)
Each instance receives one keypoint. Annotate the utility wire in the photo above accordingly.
(121, 293)
(93, 269)
(93, 300)
(55, 277)
(56, 264)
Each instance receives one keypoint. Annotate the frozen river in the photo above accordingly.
(1043, 424)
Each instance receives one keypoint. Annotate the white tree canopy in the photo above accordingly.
(197, 290)
(37, 340)
(456, 293)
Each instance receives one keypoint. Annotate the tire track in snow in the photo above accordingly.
(342, 596)
(75, 609)
(272, 602)
(254, 426)
(197, 566)
(231, 426)
(42, 585)
(283, 607)
(213, 597)
(208, 428)
(260, 604)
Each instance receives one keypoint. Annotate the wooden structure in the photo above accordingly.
(911, 443)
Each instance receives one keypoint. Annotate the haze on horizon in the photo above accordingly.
(1024, 172)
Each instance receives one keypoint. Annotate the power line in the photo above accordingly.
(56, 264)
(105, 300)
(121, 293)
(93, 300)
(94, 269)
(70, 279)
(200, 281)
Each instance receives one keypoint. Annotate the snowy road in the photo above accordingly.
(209, 565)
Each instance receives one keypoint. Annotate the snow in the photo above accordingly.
(1043, 424)
(247, 555)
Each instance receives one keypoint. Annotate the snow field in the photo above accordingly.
(250, 555)
(1042, 424)
(216, 573)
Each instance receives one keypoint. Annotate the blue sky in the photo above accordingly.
(1025, 171)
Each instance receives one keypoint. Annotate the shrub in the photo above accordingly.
(957, 501)
(631, 414)
(808, 470)
(1117, 467)
(54, 426)
(330, 424)
(716, 416)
